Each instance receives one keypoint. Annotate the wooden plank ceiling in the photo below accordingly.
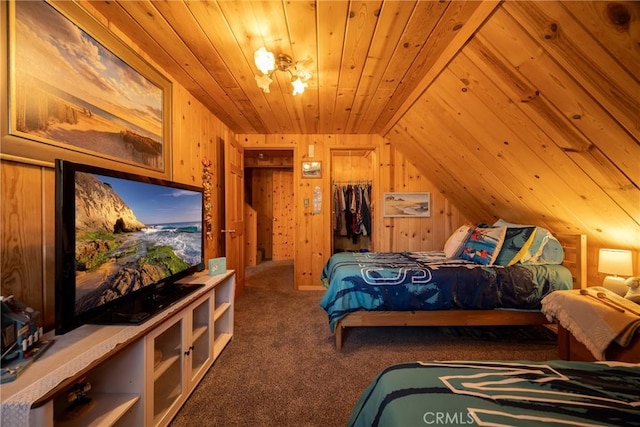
(366, 57)
(521, 109)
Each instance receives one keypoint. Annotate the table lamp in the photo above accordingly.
(615, 262)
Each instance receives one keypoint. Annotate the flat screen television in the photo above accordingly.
(122, 241)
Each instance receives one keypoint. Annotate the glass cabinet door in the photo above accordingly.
(167, 371)
(200, 348)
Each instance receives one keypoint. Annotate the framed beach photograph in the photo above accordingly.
(407, 205)
(74, 86)
(312, 169)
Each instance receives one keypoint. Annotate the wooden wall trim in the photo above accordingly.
(26, 161)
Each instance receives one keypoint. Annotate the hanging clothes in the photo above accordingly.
(366, 212)
(340, 204)
(352, 216)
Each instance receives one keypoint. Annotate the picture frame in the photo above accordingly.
(409, 205)
(312, 169)
(76, 91)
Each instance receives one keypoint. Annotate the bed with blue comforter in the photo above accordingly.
(417, 281)
(501, 394)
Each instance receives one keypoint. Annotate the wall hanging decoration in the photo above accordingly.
(75, 86)
(312, 169)
(206, 186)
(407, 205)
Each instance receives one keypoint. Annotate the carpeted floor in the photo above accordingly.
(282, 369)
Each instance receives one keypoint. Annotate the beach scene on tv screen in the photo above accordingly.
(131, 234)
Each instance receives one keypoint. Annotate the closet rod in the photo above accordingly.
(352, 182)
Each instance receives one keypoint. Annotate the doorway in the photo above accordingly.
(351, 187)
(270, 200)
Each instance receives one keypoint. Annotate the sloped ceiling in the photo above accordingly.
(538, 118)
(518, 109)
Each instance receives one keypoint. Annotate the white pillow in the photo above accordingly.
(455, 242)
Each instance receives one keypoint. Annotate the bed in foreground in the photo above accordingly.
(431, 289)
(501, 393)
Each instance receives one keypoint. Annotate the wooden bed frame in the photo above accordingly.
(569, 348)
(575, 248)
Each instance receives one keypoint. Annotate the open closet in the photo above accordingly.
(351, 198)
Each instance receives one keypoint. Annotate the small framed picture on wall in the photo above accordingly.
(312, 169)
(413, 205)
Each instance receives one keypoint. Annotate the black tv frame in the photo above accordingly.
(133, 308)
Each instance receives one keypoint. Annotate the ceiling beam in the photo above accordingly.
(468, 29)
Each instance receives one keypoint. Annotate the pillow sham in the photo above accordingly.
(535, 253)
(453, 245)
(517, 241)
(551, 253)
(483, 245)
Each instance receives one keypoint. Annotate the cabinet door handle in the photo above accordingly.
(189, 350)
(227, 231)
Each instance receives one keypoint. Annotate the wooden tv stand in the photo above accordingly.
(139, 375)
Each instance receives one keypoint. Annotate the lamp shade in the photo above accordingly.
(265, 60)
(615, 261)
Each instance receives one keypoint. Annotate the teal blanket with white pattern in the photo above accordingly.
(408, 281)
(493, 393)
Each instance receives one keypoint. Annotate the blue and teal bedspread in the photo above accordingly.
(501, 393)
(411, 281)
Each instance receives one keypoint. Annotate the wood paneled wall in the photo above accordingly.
(250, 236)
(197, 136)
(398, 174)
(262, 202)
(273, 197)
(27, 229)
(351, 166)
(391, 171)
(283, 215)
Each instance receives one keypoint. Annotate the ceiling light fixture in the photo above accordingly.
(267, 63)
